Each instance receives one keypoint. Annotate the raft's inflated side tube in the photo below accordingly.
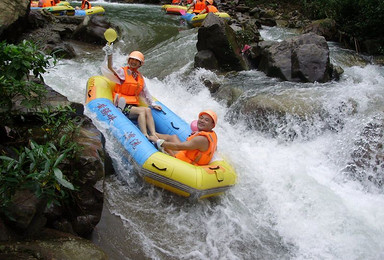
(175, 9)
(198, 19)
(155, 167)
(58, 10)
(95, 10)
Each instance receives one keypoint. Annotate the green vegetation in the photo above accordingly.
(361, 19)
(34, 165)
(18, 64)
(358, 18)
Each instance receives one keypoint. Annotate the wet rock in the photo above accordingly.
(52, 244)
(14, 15)
(313, 67)
(206, 59)
(217, 37)
(227, 94)
(62, 50)
(304, 58)
(25, 214)
(367, 164)
(92, 30)
(212, 86)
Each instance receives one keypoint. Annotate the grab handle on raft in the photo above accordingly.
(177, 128)
(219, 176)
(160, 169)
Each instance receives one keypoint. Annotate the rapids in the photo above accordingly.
(292, 200)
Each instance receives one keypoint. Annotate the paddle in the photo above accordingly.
(110, 35)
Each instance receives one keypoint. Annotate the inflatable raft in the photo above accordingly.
(174, 9)
(58, 10)
(197, 20)
(154, 167)
(94, 10)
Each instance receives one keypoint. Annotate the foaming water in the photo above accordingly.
(292, 200)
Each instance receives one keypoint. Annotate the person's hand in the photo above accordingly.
(108, 49)
(157, 107)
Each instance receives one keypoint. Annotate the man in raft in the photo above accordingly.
(200, 145)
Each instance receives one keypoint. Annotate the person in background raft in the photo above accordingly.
(210, 8)
(200, 145)
(176, 2)
(85, 4)
(46, 3)
(197, 6)
(126, 94)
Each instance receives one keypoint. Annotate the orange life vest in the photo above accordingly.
(211, 9)
(199, 6)
(46, 3)
(130, 88)
(84, 3)
(197, 157)
(174, 2)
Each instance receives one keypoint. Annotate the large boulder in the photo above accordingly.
(50, 32)
(13, 16)
(218, 38)
(92, 30)
(303, 58)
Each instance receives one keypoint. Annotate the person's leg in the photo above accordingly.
(150, 122)
(139, 113)
(169, 138)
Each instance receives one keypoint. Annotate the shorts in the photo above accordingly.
(127, 110)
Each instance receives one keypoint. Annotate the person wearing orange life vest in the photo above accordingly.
(197, 6)
(46, 3)
(210, 8)
(132, 86)
(199, 147)
(85, 4)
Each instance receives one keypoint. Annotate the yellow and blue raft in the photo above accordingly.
(154, 167)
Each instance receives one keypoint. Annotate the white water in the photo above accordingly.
(291, 200)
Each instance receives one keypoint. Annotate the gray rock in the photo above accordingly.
(206, 59)
(303, 58)
(13, 15)
(216, 36)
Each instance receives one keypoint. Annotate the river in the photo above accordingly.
(292, 199)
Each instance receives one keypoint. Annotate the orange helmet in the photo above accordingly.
(210, 2)
(137, 56)
(211, 114)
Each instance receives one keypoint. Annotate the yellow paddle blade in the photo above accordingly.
(110, 35)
